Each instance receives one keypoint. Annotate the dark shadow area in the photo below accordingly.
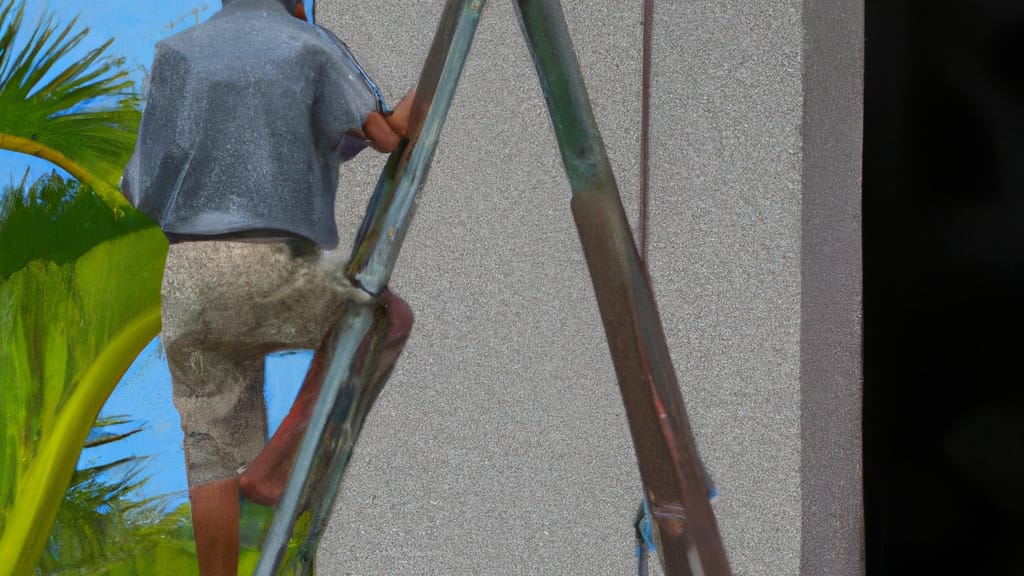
(944, 284)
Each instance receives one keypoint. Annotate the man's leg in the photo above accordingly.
(263, 482)
(215, 518)
(220, 400)
(225, 306)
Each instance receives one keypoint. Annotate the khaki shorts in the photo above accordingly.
(226, 305)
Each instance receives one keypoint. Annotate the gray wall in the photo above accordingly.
(500, 445)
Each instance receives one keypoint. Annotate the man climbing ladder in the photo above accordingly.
(248, 118)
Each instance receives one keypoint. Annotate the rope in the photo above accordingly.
(645, 127)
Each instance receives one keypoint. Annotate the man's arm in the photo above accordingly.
(381, 129)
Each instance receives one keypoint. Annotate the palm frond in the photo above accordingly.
(103, 522)
(55, 386)
(81, 115)
(100, 436)
(56, 219)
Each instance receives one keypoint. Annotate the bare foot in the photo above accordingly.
(264, 481)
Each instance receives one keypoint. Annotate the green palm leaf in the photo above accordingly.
(70, 331)
(79, 273)
(82, 117)
(102, 524)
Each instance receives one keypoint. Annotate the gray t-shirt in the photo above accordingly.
(245, 127)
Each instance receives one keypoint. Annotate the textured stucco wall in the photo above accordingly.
(725, 255)
(500, 445)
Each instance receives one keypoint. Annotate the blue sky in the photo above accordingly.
(144, 393)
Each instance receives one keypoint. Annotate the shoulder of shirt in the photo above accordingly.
(210, 27)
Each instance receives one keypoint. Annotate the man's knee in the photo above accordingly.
(400, 317)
